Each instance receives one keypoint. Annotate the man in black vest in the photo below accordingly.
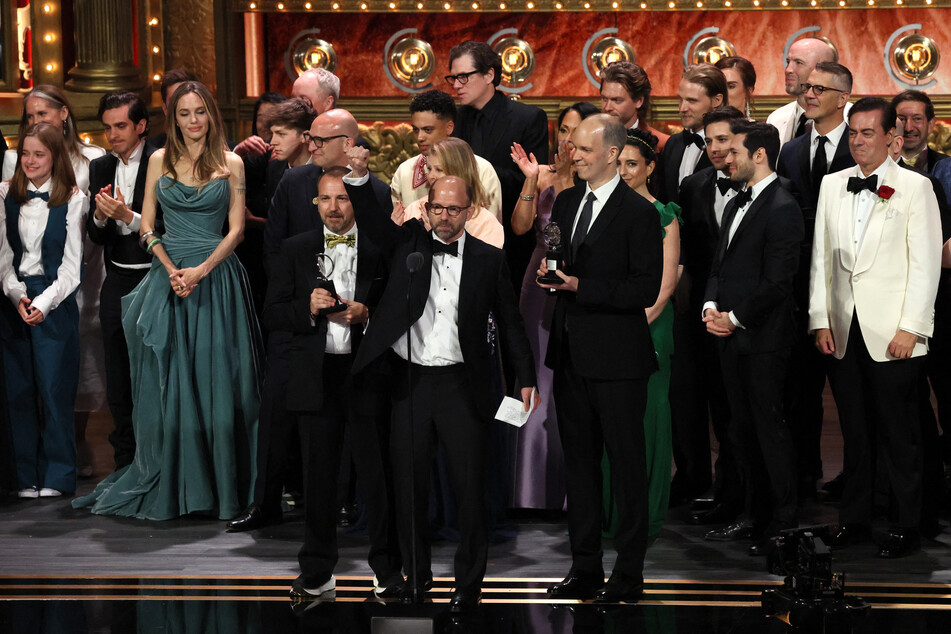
(118, 180)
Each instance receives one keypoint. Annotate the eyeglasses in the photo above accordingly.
(452, 210)
(818, 89)
(462, 78)
(319, 141)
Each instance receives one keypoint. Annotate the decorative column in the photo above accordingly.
(104, 47)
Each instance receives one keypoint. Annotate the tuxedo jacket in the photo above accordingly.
(673, 155)
(125, 249)
(293, 208)
(700, 234)
(891, 281)
(262, 176)
(785, 119)
(619, 268)
(933, 157)
(484, 287)
(795, 165)
(753, 274)
(292, 278)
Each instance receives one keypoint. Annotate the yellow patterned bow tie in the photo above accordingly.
(333, 240)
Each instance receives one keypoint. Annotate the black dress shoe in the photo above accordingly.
(577, 585)
(406, 591)
(833, 488)
(900, 543)
(731, 533)
(464, 601)
(718, 514)
(849, 535)
(252, 518)
(620, 588)
(310, 589)
(389, 588)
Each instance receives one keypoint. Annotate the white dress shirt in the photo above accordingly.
(124, 183)
(34, 214)
(863, 203)
(832, 142)
(80, 164)
(601, 195)
(691, 155)
(435, 335)
(757, 189)
(344, 277)
(720, 200)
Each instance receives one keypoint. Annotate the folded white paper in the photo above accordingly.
(512, 410)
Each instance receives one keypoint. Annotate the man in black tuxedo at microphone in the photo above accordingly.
(602, 354)
(459, 281)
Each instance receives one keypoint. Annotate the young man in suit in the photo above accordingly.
(442, 309)
(702, 88)
(916, 112)
(602, 354)
(749, 305)
(490, 122)
(805, 161)
(791, 119)
(625, 94)
(293, 210)
(695, 367)
(875, 267)
(117, 182)
(323, 394)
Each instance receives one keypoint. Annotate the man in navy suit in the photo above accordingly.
(805, 161)
(442, 310)
(293, 210)
(749, 305)
(602, 354)
(118, 180)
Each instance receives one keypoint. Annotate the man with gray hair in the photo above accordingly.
(318, 86)
(801, 60)
(601, 351)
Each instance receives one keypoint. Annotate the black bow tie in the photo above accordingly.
(30, 195)
(726, 184)
(448, 249)
(692, 138)
(744, 197)
(856, 184)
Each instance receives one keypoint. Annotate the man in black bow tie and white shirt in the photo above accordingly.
(875, 267)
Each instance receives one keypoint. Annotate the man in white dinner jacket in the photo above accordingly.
(875, 265)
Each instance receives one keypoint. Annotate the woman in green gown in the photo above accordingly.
(191, 331)
(636, 163)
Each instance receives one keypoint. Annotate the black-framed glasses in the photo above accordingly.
(319, 141)
(818, 89)
(462, 78)
(452, 210)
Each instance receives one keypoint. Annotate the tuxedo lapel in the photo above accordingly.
(567, 220)
(805, 167)
(498, 131)
(846, 223)
(609, 210)
(843, 156)
(876, 222)
(764, 197)
(708, 203)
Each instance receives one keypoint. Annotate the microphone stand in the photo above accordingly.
(414, 262)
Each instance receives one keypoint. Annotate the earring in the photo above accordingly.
(65, 128)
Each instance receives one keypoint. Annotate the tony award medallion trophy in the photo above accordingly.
(325, 268)
(552, 233)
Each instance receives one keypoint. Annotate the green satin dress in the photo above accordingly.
(657, 427)
(195, 375)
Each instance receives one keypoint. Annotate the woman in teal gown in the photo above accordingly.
(192, 335)
(635, 165)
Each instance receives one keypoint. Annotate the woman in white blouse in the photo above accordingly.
(41, 234)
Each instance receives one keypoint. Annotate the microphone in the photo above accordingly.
(414, 261)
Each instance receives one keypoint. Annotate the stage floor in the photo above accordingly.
(63, 570)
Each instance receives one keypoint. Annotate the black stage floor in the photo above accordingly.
(64, 571)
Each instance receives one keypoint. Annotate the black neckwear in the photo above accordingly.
(820, 165)
(448, 249)
(742, 198)
(856, 184)
(584, 222)
(801, 127)
(726, 184)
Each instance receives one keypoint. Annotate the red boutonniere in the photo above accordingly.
(885, 192)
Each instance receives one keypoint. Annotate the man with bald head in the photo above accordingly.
(318, 86)
(601, 351)
(801, 60)
(294, 210)
(439, 345)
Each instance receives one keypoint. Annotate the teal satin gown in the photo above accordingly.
(195, 375)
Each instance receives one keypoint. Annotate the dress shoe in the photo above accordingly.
(620, 588)
(848, 535)
(252, 518)
(900, 543)
(29, 493)
(731, 533)
(577, 585)
(703, 504)
(833, 488)
(406, 591)
(308, 589)
(464, 601)
(719, 514)
(389, 588)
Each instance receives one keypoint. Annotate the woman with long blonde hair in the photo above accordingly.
(454, 157)
(193, 338)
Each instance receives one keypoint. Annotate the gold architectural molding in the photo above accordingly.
(104, 49)
(562, 6)
(189, 30)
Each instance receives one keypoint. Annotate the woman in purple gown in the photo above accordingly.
(539, 468)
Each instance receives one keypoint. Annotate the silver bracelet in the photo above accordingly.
(144, 240)
(526, 198)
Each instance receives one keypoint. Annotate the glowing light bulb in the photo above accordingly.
(48, 37)
(156, 77)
